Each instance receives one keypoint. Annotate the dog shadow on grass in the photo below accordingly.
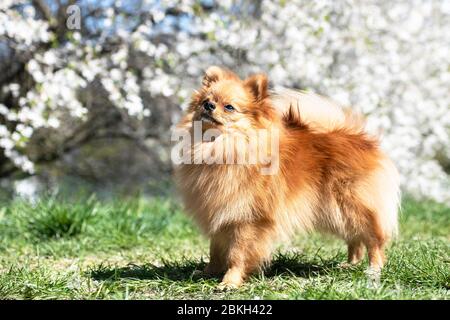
(187, 269)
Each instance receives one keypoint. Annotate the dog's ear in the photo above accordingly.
(258, 85)
(215, 73)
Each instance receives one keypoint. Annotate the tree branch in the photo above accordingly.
(43, 9)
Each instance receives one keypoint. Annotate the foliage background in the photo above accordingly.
(94, 106)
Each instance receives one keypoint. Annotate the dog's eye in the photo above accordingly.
(229, 107)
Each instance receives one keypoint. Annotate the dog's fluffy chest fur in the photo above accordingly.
(225, 194)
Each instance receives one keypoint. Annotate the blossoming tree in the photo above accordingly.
(127, 68)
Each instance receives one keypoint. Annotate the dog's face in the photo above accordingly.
(227, 102)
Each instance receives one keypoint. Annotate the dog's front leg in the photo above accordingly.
(217, 254)
(249, 247)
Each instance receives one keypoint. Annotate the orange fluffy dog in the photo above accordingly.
(332, 176)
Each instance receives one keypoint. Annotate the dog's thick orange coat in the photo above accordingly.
(332, 178)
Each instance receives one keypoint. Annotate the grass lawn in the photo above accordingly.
(147, 249)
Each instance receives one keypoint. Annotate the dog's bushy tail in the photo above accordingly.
(300, 108)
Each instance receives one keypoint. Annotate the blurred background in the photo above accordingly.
(89, 89)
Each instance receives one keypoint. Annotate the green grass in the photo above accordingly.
(148, 249)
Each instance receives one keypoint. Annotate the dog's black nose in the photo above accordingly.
(209, 106)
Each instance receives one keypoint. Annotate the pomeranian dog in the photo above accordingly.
(328, 174)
